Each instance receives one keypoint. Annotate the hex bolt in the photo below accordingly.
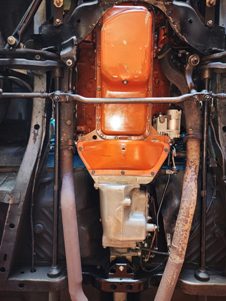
(11, 40)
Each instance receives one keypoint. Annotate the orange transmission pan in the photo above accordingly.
(124, 140)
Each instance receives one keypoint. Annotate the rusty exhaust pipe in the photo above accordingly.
(187, 207)
(68, 202)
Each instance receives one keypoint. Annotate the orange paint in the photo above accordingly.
(134, 158)
(124, 68)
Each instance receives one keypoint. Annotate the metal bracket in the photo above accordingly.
(183, 19)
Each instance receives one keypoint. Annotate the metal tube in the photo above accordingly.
(187, 206)
(75, 97)
(25, 21)
(55, 271)
(201, 274)
(68, 202)
(56, 181)
(204, 185)
(67, 97)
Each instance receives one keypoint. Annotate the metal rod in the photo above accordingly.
(201, 274)
(75, 97)
(55, 271)
(204, 184)
(25, 21)
(67, 97)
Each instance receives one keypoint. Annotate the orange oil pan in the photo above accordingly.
(112, 157)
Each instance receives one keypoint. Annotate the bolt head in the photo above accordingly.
(11, 40)
(209, 23)
(58, 3)
(69, 62)
(121, 268)
(58, 21)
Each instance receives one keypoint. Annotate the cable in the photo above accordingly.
(218, 145)
(162, 199)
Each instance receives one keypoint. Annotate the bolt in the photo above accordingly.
(194, 60)
(121, 268)
(37, 57)
(69, 62)
(122, 172)
(152, 173)
(11, 40)
(58, 21)
(80, 148)
(125, 82)
(210, 3)
(209, 23)
(38, 228)
(58, 3)
(166, 150)
(93, 172)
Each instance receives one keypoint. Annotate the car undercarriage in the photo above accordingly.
(112, 150)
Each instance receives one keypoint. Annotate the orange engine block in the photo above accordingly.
(123, 142)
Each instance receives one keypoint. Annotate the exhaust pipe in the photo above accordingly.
(68, 203)
(188, 204)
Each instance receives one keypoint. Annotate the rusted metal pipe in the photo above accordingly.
(68, 203)
(187, 206)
